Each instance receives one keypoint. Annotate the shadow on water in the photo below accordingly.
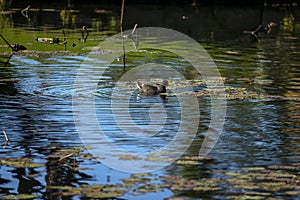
(261, 132)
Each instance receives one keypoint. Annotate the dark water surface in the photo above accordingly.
(261, 132)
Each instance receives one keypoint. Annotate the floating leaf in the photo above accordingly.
(174, 198)
(258, 193)
(32, 175)
(141, 174)
(272, 186)
(91, 191)
(149, 188)
(54, 187)
(283, 167)
(254, 168)
(128, 157)
(158, 159)
(187, 162)
(135, 180)
(103, 191)
(243, 185)
(159, 153)
(178, 183)
(87, 156)
(247, 197)
(292, 193)
(196, 158)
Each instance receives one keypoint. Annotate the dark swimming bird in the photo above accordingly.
(148, 90)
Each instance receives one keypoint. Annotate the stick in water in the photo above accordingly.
(5, 135)
(121, 30)
(7, 42)
(66, 156)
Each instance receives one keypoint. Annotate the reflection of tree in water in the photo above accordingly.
(60, 174)
(32, 140)
(289, 23)
(5, 22)
(68, 18)
(27, 184)
(5, 4)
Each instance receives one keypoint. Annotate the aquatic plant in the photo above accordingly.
(19, 196)
(20, 163)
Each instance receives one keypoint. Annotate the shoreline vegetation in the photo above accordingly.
(166, 2)
(7, 4)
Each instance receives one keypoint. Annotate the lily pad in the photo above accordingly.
(149, 188)
(135, 180)
(197, 158)
(178, 183)
(58, 187)
(91, 191)
(141, 175)
(253, 168)
(283, 167)
(293, 193)
(158, 159)
(187, 162)
(247, 197)
(128, 157)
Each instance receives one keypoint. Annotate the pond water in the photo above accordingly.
(257, 155)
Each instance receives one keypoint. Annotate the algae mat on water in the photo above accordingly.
(19, 196)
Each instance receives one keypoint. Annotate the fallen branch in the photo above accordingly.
(66, 156)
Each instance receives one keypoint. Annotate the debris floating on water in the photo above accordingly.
(5, 135)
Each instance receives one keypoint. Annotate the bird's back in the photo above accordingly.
(148, 90)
